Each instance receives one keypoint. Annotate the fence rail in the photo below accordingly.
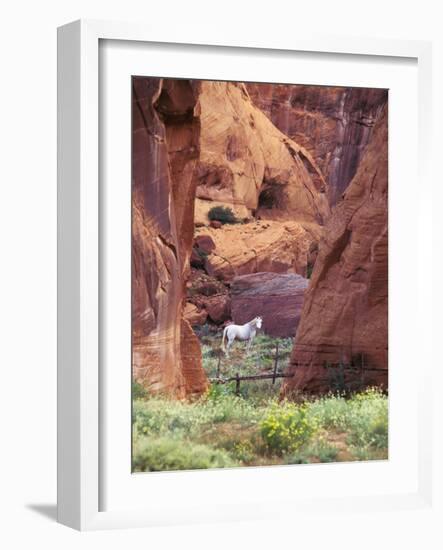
(336, 372)
(238, 379)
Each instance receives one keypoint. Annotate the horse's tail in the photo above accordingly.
(223, 339)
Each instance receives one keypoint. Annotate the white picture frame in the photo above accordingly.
(79, 257)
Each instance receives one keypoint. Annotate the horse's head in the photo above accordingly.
(258, 322)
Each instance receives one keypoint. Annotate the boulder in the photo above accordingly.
(280, 247)
(277, 298)
(215, 224)
(204, 243)
(194, 315)
(218, 308)
(345, 314)
(197, 259)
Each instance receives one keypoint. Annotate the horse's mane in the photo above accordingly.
(253, 320)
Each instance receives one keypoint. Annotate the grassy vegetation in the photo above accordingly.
(260, 360)
(222, 429)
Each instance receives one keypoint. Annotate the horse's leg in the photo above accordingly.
(251, 338)
(228, 347)
(248, 347)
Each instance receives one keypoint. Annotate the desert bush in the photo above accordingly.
(286, 428)
(231, 408)
(138, 391)
(223, 214)
(309, 270)
(158, 416)
(322, 450)
(379, 432)
(319, 450)
(364, 416)
(244, 451)
(330, 412)
(159, 454)
(369, 425)
(219, 391)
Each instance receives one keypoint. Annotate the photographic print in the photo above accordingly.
(259, 274)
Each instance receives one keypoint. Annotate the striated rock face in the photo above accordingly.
(345, 314)
(334, 124)
(166, 353)
(246, 163)
(277, 298)
(280, 247)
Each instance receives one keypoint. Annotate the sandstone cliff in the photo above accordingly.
(333, 123)
(345, 312)
(200, 144)
(251, 166)
(166, 353)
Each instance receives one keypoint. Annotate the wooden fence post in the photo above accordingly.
(275, 364)
(218, 365)
(363, 378)
(237, 384)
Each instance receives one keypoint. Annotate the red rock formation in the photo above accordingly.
(166, 353)
(194, 315)
(246, 163)
(218, 308)
(333, 124)
(277, 298)
(345, 313)
(279, 247)
(207, 297)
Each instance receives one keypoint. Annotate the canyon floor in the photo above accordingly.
(223, 429)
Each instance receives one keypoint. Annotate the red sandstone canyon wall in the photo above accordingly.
(345, 311)
(201, 144)
(166, 128)
(333, 123)
(249, 165)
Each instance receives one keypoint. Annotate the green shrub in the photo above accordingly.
(309, 270)
(285, 428)
(370, 427)
(361, 453)
(158, 416)
(218, 391)
(364, 416)
(244, 451)
(222, 214)
(319, 450)
(379, 431)
(331, 412)
(160, 454)
(323, 451)
(138, 391)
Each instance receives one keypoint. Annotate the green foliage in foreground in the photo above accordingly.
(286, 428)
(224, 430)
(364, 417)
(160, 454)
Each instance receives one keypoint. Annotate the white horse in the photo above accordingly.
(241, 332)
